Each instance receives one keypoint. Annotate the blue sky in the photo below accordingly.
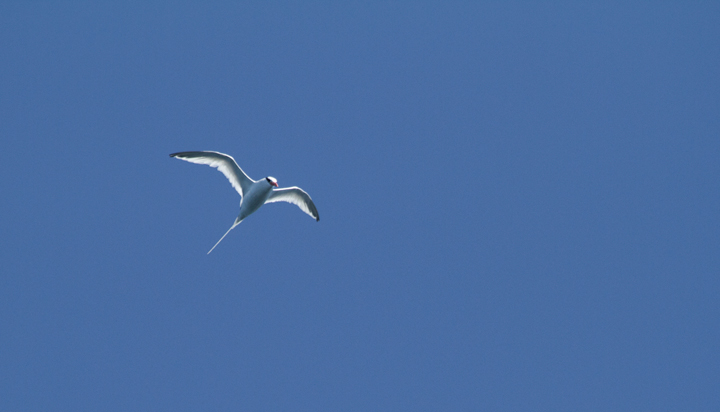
(519, 201)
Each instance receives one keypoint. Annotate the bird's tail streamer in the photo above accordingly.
(223, 237)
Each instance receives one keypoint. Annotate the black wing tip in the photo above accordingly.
(180, 154)
(190, 153)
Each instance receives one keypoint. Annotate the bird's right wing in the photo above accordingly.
(296, 196)
(224, 163)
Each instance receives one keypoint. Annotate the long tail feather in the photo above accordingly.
(223, 237)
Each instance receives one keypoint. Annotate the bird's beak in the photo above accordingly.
(274, 184)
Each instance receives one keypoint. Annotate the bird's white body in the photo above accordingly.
(256, 197)
(254, 193)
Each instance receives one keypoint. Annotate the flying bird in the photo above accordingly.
(253, 193)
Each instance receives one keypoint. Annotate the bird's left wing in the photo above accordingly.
(296, 196)
(224, 163)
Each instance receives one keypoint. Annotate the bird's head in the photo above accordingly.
(272, 181)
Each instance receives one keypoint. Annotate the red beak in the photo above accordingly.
(274, 184)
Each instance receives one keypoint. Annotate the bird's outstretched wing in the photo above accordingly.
(296, 196)
(224, 163)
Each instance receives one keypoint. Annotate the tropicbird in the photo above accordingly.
(253, 193)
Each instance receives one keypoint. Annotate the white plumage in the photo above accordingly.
(253, 193)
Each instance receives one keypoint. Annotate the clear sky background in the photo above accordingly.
(520, 206)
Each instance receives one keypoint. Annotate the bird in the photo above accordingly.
(253, 193)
